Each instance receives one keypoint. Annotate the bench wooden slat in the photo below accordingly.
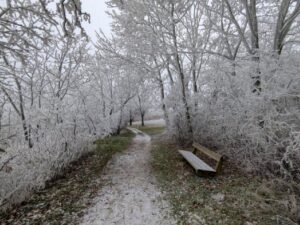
(195, 162)
(208, 152)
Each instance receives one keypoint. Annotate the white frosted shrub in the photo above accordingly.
(259, 131)
(56, 145)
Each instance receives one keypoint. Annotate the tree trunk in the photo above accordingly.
(162, 96)
(26, 130)
(284, 24)
(252, 19)
(143, 119)
(181, 75)
(120, 122)
(162, 89)
(194, 78)
(130, 118)
(254, 47)
(169, 73)
(130, 122)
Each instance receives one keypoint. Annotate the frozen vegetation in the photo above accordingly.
(224, 73)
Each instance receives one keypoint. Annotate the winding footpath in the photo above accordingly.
(130, 195)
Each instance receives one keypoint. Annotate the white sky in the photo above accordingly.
(99, 19)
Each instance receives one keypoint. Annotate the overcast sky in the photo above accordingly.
(99, 19)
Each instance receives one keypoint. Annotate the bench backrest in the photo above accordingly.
(217, 157)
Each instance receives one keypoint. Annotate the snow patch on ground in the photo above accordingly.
(158, 122)
(130, 195)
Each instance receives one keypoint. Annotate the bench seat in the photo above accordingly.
(195, 162)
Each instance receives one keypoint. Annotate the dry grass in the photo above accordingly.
(64, 199)
(247, 198)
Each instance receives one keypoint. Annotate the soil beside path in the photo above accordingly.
(66, 197)
(130, 195)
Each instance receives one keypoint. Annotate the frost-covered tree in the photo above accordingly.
(226, 73)
(223, 68)
(55, 96)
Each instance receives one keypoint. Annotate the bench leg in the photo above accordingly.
(194, 151)
(219, 166)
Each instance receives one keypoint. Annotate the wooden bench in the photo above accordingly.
(199, 165)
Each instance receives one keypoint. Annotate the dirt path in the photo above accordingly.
(130, 195)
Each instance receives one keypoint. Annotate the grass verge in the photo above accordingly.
(64, 199)
(232, 198)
